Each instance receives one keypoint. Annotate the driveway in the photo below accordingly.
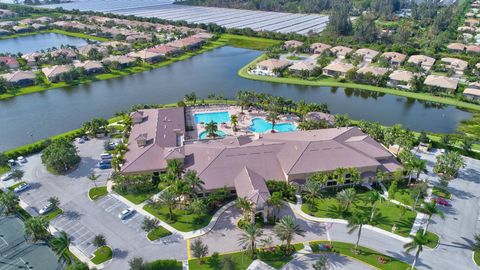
(336, 262)
(83, 219)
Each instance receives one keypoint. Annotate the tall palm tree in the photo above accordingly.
(60, 245)
(234, 121)
(430, 209)
(251, 233)
(175, 167)
(36, 227)
(356, 222)
(211, 128)
(286, 229)
(10, 201)
(169, 200)
(312, 190)
(419, 165)
(346, 197)
(272, 117)
(374, 198)
(417, 243)
(247, 208)
(192, 179)
(94, 177)
(354, 175)
(340, 175)
(276, 202)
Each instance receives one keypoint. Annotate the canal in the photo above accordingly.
(41, 115)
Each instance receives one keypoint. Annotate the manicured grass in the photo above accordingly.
(53, 214)
(476, 257)
(158, 233)
(97, 192)
(243, 72)
(404, 194)
(183, 220)
(366, 255)
(138, 198)
(441, 192)
(12, 187)
(328, 207)
(433, 239)
(278, 260)
(242, 261)
(253, 43)
(102, 254)
(4, 169)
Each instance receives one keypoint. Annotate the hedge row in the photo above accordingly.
(164, 265)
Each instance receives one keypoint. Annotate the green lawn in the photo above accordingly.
(138, 198)
(12, 187)
(4, 169)
(441, 192)
(102, 254)
(183, 220)
(328, 207)
(278, 260)
(53, 214)
(336, 83)
(158, 233)
(97, 192)
(366, 255)
(253, 43)
(242, 261)
(404, 194)
(476, 257)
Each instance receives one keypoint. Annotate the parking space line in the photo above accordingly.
(113, 206)
(107, 198)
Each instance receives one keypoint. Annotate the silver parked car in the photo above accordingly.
(126, 213)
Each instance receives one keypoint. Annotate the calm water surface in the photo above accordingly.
(52, 112)
(29, 44)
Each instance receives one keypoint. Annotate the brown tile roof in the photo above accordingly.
(340, 50)
(394, 56)
(302, 65)
(272, 64)
(441, 81)
(319, 48)
(163, 49)
(377, 71)
(339, 67)
(422, 60)
(292, 44)
(364, 52)
(401, 75)
(251, 186)
(18, 75)
(456, 46)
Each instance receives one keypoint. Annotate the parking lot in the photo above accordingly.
(82, 218)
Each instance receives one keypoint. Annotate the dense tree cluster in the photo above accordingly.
(60, 156)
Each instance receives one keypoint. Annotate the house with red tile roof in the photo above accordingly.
(10, 61)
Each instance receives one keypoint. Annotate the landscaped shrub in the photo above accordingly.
(60, 156)
(288, 191)
(163, 265)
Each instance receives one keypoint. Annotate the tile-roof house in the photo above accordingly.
(337, 69)
(292, 44)
(33, 58)
(367, 54)
(122, 60)
(423, 61)
(456, 47)
(164, 50)
(474, 49)
(444, 82)
(472, 91)
(319, 116)
(319, 48)
(85, 50)
(20, 78)
(53, 73)
(301, 66)
(10, 61)
(21, 29)
(90, 66)
(189, 42)
(270, 67)
(455, 63)
(400, 78)
(376, 71)
(341, 51)
(66, 52)
(147, 56)
(395, 58)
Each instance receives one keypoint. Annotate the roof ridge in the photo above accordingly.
(295, 163)
(143, 153)
(211, 162)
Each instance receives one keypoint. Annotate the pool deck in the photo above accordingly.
(244, 120)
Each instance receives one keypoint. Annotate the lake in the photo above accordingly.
(40, 115)
(33, 43)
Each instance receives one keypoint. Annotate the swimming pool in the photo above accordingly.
(217, 117)
(260, 125)
(204, 135)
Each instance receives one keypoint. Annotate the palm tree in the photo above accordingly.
(312, 190)
(249, 237)
(373, 197)
(193, 181)
(198, 207)
(322, 263)
(356, 222)
(247, 208)
(272, 117)
(36, 227)
(354, 175)
(276, 202)
(286, 228)
(476, 243)
(419, 165)
(17, 174)
(417, 243)
(60, 245)
(175, 167)
(430, 209)
(54, 201)
(340, 175)
(211, 128)
(346, 197)
(234, 121)
(10, 201)
(169, 200)
(94, 177)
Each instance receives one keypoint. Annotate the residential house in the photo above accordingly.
(117, 45)
(270, 67)
(5, 13)
(367, 54)
(472, 92)
(473, 49)
(396, 59)
(54, 73)
(292, 44)
(85, 50)
(10, 62)
(319, 48)
(203, 35)
(337, 69)
(341, 51)
(456, 47)
(147, 56)
(39, 26)
(65, 52)
(423, 61)
(454, 63)
(443, 82)
(19, 78)
(300, 67)
(164, 50)
(139, 37)
(375, 71)
(320, 116)
(90, 67)
(471, 22)
(400, 79)
(189, 43)
(122, 60)
(21, 29)
(33, 58)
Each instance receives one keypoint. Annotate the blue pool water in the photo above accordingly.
(260, 125)
(204, 135)
(217, 117)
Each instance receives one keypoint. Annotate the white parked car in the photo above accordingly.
(80, 140)
(126, 213)
(6, 176)
(21, 188)
(47, 208)
(21, 159)
(106, 156)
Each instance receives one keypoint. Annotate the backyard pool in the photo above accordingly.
(204, 135)
(217, 117)
(260, 125)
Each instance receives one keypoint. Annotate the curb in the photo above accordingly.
(103, 264)
(473, 255)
